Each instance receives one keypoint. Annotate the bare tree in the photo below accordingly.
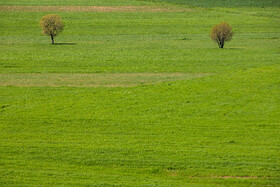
(51, 25)
(221, 33)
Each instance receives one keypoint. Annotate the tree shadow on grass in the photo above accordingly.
(64, 44)
(233, 48)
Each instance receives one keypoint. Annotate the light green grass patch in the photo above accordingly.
(92, 80)
(90, 9)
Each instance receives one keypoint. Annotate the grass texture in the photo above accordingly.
(140, 98)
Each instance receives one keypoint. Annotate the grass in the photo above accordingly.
(76, 3)
(224, 3)
(92, 80)
(183, 113)
(89, 9)
(128, 42)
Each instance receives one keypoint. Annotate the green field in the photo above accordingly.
(135, 93)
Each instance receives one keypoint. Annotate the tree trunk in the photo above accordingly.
(221, 44)
(52, 39)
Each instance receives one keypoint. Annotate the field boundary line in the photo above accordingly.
(90, 9)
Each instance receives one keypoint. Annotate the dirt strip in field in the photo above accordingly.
(92, 79)
(89, 9)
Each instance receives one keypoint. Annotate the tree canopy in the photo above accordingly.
(221, 33)
(51, 25)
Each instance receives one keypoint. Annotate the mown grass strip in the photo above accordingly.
(89, 9)
(92, 80)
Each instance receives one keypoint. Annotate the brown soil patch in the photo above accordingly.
(92, 80)
(89, 9)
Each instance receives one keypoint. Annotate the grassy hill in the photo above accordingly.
(135, 93)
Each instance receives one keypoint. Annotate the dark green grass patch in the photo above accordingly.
(223, 3)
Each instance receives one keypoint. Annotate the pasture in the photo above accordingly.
(135, 93)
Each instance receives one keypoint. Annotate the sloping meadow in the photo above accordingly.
(135, 93)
